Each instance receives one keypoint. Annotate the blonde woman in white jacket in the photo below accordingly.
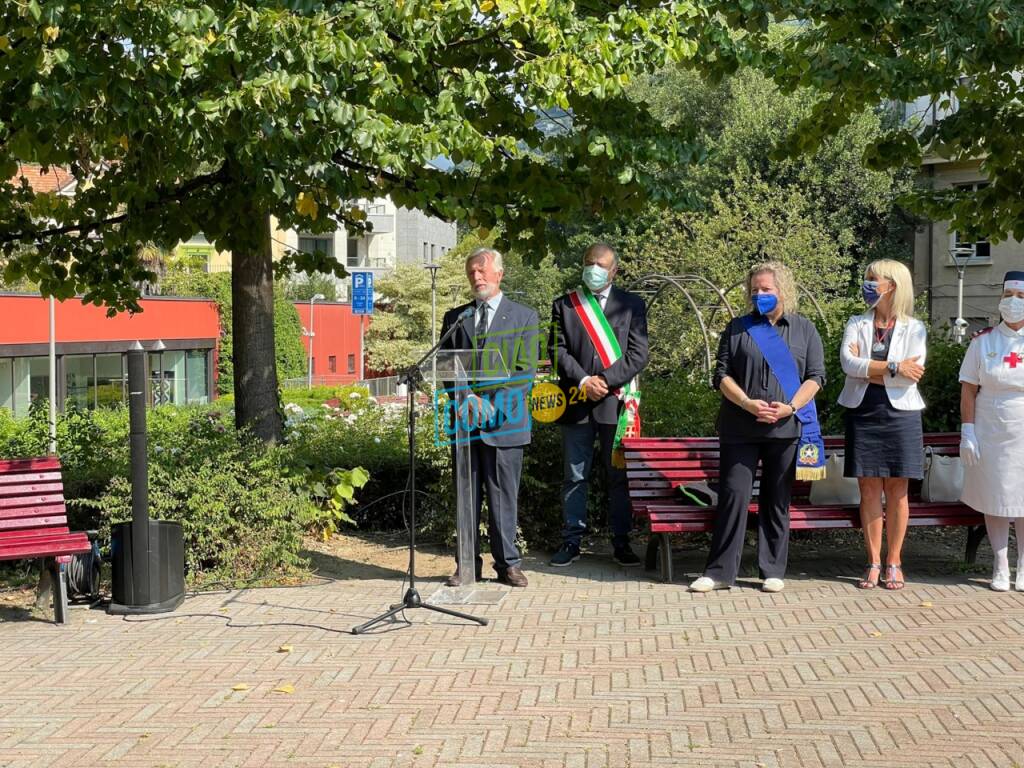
(883, 355)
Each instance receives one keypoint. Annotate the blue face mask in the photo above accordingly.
(766, 303)
(595, 277)
(869, 290)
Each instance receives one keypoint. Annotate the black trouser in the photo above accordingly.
(736, 486)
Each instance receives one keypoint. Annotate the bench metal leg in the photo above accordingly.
(651, 557)
(975, 534)
(666, 558)
(60, 592)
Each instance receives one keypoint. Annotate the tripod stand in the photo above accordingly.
(412, 378)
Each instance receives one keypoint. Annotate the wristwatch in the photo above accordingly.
(792, 405)
(894, 368)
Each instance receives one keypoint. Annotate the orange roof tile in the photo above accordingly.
(53, 180)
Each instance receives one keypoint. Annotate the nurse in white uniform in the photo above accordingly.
(992, 435)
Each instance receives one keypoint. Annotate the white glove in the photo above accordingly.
(970, 452)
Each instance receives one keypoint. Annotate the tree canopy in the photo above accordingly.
(175, 116)
(961, 60)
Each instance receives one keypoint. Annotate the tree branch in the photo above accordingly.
(87, 227)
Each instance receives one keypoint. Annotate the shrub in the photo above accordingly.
(241, 509)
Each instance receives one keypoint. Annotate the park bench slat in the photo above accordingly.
(19, 478)
(31, 499)
(8, 466)
(70, 544)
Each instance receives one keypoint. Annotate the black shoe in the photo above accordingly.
(567, 555)
(625, 557)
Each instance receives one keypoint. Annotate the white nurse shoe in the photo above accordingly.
(1001, 581)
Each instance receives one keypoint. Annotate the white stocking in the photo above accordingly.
(1018, 524)
(999, 535)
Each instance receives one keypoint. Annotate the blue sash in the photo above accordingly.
(810, 459)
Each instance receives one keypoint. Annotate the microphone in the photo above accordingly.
(467, 313)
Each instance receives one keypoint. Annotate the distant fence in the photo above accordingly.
(378, 387)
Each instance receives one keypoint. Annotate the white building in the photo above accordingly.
(935, 243)
(398, 236)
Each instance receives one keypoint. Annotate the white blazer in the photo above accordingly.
(908, 340)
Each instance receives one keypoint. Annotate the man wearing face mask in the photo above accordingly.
(992, 431)
(599, 334)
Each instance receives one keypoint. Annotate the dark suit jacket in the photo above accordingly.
(514, 330)
(577, 357)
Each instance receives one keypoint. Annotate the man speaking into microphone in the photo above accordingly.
(501, 407)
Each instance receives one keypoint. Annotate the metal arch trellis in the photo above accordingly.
(654, 285)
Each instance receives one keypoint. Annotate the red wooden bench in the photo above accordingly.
(33, 522)
(655, 466)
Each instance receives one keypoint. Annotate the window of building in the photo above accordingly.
(980, 250)
(80, 381)
(110, 380)
(317, 244)
(351, 363)
(332, 364)
(173, 363)
(100, 381)
(31, 382)
(7, 383)
(197, 372)
(426, 253)
(433, 253)
(352, 252)
(312, 365)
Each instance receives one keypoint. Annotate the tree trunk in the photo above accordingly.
(252, 325)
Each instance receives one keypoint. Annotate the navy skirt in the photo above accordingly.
(882, 441)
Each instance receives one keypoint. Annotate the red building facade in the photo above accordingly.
(337, 347)
(179, 334)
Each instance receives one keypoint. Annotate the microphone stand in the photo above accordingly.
(412, 377)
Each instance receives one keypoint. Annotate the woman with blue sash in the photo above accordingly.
(771, 364)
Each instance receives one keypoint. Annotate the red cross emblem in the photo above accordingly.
(1012, 359)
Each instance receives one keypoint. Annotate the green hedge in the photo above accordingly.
(242, 507)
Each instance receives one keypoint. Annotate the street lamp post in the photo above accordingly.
(960, 325)
(311, 335)
(52, 421)
(433, 267)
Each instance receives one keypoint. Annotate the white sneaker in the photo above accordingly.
(1001, 581)
(706, 584)
(773, 585)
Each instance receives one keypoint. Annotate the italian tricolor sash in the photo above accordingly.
(603, 338)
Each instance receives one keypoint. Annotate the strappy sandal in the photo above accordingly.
(866, 582)
(891, 581)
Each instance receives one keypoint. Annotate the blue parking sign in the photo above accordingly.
(362, 293)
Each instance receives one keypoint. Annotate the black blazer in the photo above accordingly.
(576, 356)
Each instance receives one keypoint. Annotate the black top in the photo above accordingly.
(740, 358)
(885, 339)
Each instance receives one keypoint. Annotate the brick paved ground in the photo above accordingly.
(588, 667)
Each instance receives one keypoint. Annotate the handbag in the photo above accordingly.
(835, 489)
(943, 477)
